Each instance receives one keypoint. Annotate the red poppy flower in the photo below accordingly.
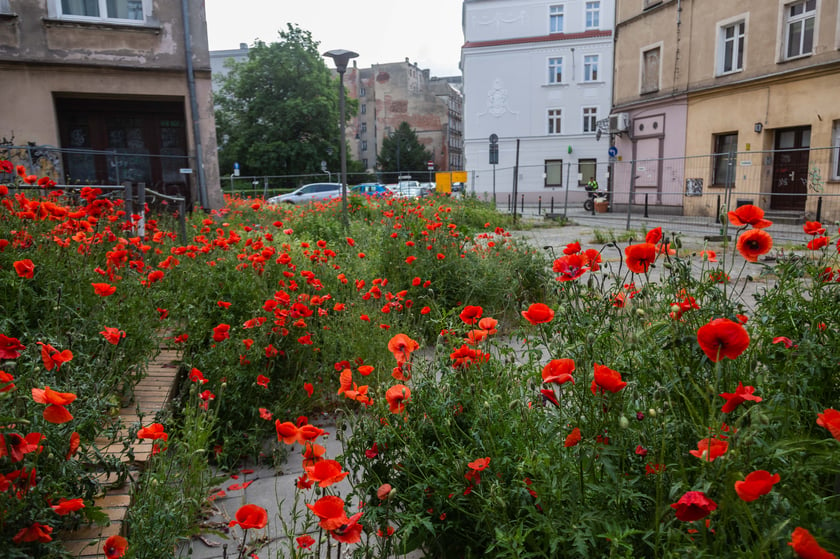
(754, 243)
(37, 532)
(559, 371)
(806, 547)
(307, 386)
(741, 395)
(570, 267)
(153, 432)
(607, 379)
(573, 438)
(75, 442)
(818, 242)
(396, 397)
(830, 419)
(654, 236)
(305, 541)
(263, 381)
(592, 259)
(721, 338)
(401, 347)
(53, 358)
(710, 449)
(756, 484)
(813, 228)
(694, 505)
(709, 255)
(488, 325)
(104, 289)
(465, 357)
(287, 432)
(640, 257)
(384, 491)
(479, 464)
(325, 473)
(25, 268)
(250, 516)
(66, 506)
(788, 343)
(471, 314)
(572, 248)
(538, 313)
(112, 335)
(309, 433)
(549, 395)
(55, 411)
(221, 332)
(115, 547)
(10, 348)
(749, 215)
(330, 509)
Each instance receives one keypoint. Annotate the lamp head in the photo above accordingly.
(341, 57)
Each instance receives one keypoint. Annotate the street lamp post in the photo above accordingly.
(341, 58)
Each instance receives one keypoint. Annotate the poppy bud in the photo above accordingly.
(640, 312)
(623, 422)
(652, 412)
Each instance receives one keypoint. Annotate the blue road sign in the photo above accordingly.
(613, 151)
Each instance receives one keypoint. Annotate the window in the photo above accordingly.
(4, 7)
(800, 19)
(650, 70)
(590, 119)
(364, 108)
(555, 18)
(554, 172)
(588, 170)
(362, 92)
(126, 10)
(555, 118)
(725, 147)
(651, 3)
(555, 70)
(363, 128)
(590, 68)
(835, 151)
(731, 48)
(364, 145)
(593, 15)
(365, 163)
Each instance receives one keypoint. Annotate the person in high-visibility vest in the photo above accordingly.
(592, 184)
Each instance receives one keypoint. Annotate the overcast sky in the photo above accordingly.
(428, 32)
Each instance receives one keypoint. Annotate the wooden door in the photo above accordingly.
(790, 169)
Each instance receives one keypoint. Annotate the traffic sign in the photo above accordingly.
(430, 165)
(494, 139)
(613, 151)
(494, 154)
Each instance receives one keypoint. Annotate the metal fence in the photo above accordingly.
(792, 186)
(269, 185)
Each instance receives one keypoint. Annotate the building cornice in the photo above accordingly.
(592, 34)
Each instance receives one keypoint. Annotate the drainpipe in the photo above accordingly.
(202, 184)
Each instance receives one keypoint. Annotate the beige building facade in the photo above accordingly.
(107, 82)
(745, 90)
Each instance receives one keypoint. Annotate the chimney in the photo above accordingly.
(243, 46)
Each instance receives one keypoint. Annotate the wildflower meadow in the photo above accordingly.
(620, 400)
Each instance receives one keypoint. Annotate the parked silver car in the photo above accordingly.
(309, 193)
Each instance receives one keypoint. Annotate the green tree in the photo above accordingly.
(402, 153)
(277, 112)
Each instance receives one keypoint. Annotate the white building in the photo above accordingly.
(537, 71)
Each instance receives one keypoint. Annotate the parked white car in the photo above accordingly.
(309, 193)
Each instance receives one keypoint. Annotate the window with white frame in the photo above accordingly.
(590, 67)
(555, 70)
(800, 21)
(364, 145)
(593, 14)
(590, 119)
(363, 128)
(4, 7)
(553, 172)
(555, 18)
(362, 92)
(363, 109)
(835, 151)
(555, 121)
(127, 11)
(365, 163)
(731, 47)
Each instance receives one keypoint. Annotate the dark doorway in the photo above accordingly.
(790, 169)
(136, 132)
